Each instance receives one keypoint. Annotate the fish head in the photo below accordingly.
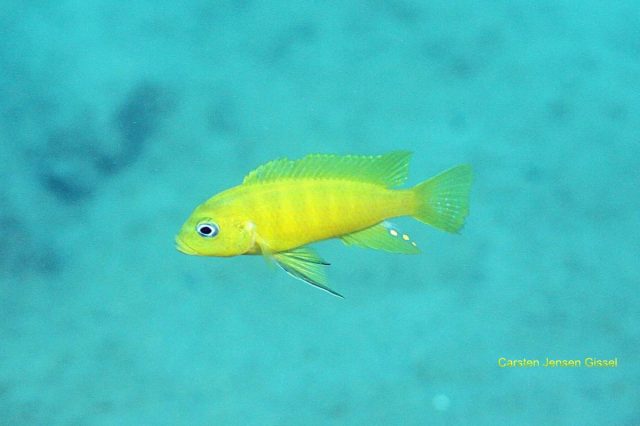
(208, 232)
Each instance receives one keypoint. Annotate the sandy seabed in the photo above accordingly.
(117, 120)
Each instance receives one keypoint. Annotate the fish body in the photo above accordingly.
(286, 204)
(296, 212)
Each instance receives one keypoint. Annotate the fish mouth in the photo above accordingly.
(183, 247)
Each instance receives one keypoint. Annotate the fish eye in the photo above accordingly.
(207, 229)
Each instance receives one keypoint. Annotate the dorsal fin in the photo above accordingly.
(388, 170)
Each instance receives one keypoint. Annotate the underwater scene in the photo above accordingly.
(362, 212)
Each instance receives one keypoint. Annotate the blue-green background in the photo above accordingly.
(117, 118)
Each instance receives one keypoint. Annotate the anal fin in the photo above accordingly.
(305, 264)
(383, 236)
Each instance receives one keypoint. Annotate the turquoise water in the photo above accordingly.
(118, 119)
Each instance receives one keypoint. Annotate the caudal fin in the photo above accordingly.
(443, 200)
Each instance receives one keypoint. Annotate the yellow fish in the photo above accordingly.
(286, 204)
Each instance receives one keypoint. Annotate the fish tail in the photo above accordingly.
(443, 200)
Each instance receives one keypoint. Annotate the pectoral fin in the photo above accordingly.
(383, 236)
(265, 250)
(305, 264)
